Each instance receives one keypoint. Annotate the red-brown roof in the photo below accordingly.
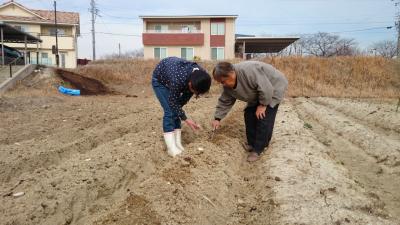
(43, 16)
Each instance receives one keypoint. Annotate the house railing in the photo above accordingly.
(12, 65)
(174, 31)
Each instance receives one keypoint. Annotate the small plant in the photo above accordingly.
(307, 126)
(65, 83)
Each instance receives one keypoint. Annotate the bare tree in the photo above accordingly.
(327, 45)
(296, 48)
(387, 48)
(137, 53)
(321, 44)
(346, 47)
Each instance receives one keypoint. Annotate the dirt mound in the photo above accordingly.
(87, 86)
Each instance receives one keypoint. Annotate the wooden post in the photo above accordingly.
(37, 52)
(244, 50)
(26, 50)
(2, 47)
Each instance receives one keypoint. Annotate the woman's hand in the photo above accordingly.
(261, 111)
(215, 124)
(192, 124)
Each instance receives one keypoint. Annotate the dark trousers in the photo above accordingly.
(259, 131)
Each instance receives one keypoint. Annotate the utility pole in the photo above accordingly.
(56, 27)
(93, 10)
(398, 30)
(119, 50)
(397, 5)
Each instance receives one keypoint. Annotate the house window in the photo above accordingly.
(45, 59)
(159, 28)
(21, 28)
(188, 28)
(217, 28)
(160, 53)
(52, 32)
(187, 53)
(217, 53)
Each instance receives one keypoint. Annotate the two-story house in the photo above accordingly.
(203, 37)
(41, 23)
(206, 37)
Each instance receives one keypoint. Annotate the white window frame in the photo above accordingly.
(154, 52)
(188, 28)
(45, 60)
(163, 28)
(60, 31)
(218, 56)
(186, 52)
(220, 30)
(23, 28)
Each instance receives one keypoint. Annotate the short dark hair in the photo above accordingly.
(201, 81)
(222, 69)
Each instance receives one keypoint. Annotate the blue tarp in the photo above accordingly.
(69, 91)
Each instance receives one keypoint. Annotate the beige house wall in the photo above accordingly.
(13, 10)
(30, 28)
(205, 52)
(45, 29)
(70, 57)
(230, 38)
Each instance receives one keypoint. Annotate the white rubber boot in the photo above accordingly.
(169, 139)
(178, 139)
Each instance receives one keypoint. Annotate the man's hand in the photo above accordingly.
(261, 111)
(215, 124)
(192, 124)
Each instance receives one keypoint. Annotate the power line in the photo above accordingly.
(110, 33)
(119, 34)
(366, 29)
(120, 17)
(122, 23)
(296, 24)
(351, 31)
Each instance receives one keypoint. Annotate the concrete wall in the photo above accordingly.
(21, 74)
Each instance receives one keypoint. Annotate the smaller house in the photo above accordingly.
(41, 24)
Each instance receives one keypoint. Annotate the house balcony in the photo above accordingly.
(173, 38)
(64, 42)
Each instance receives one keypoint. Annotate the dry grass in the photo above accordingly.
(341, 76)
(118, 71)
(308, 76)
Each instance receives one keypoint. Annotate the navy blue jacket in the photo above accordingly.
(174, 73)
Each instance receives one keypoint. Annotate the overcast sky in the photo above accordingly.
(363, 20)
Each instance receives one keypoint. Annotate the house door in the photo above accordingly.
(63, 60)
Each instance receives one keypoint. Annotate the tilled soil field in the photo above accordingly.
(101, 160)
